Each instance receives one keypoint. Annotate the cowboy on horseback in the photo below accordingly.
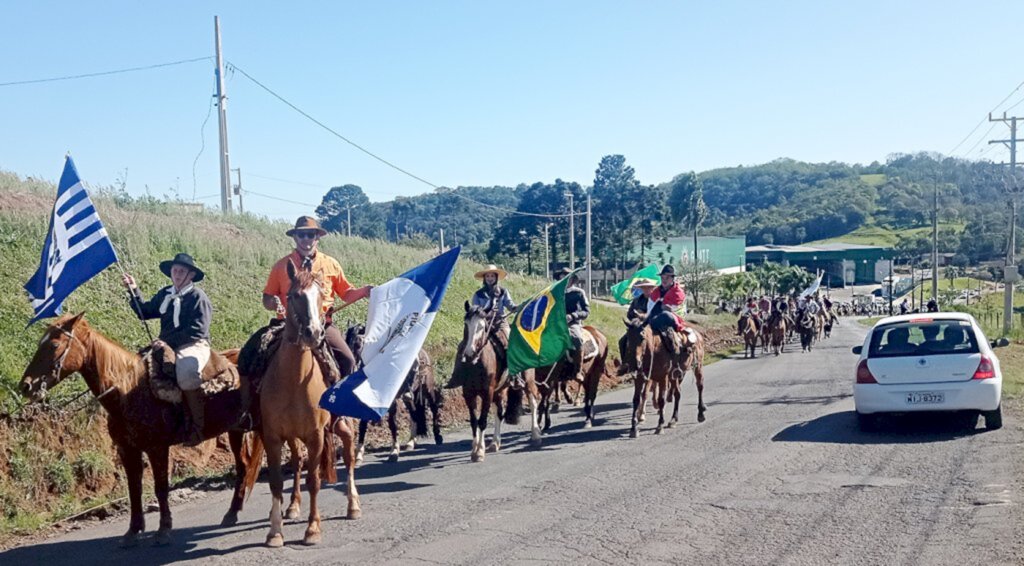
(577, 309)
(306, 257)
(668, 298)
(185, 313)
(749, 310)
(494, 299)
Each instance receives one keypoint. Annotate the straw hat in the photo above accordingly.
(501, 273)
(643, 282)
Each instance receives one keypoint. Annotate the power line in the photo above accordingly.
(202, 138)
(104, 73)
(327, 128)
(981, 139)
(271, 197)
(302, 183)
(983, 120)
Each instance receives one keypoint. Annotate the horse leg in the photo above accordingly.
(533, 395)
(434, 399)
(474, 425)
(295, 506)
(314, 445)
(237, 440)
(413, 427)
(675, 395)
(698, 378)
(485, 411)
(393, 427)
(131, 458)
(343, 428)
(275, 538)
(500, 409)
(639, 385)
(545, 408)
(659, 403)
(158, 459)
(361, 446)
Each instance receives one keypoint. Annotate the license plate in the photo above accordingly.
(925, 398)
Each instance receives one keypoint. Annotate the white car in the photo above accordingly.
(927, 362)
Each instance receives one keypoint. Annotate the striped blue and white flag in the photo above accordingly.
(400, 314)
(76, 248)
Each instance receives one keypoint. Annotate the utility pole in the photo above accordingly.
(441, 251)
(1010, 273)
(222, 119)
(348, 220)
(890, 286)
(935, 241)
(547, 254)
(238, 190)
(590, 271)
(572, 234)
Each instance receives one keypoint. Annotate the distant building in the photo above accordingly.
(843, 264)
(725, 253)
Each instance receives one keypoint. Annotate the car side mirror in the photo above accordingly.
(858, 349)
(1001, 343)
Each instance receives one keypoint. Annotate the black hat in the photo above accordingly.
(187, 261)
(668, 270)
(562, 272)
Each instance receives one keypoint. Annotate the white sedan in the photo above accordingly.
(928, 362)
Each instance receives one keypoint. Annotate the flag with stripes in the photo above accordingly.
(400, 314)
(76, 248)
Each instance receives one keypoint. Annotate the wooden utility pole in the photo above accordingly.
(1010, 273)
(348, 220)
(935, 241)
(590, 271)
(547, 253)
(222, 119)
(572, 234)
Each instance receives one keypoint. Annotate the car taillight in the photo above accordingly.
(985, 369)
(864, 374)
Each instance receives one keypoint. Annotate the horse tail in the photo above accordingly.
(328, 456)
(514, 405)
(418, 414)
(254, 464)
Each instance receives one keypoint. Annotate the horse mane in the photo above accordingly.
(121, 366)
(303, 280)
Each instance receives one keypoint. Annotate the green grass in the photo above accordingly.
(874, 235)
(875, 180)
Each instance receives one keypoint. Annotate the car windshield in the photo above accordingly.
(923, 338)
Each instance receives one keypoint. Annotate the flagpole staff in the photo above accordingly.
(135, 300)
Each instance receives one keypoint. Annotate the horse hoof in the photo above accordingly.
(536, 441)
(494, 447)
(410, 446)
(633, 433)
(657, 430)
(642, 417)
(162, 538)
(311, 538)
(554, 408)
(354, 514)
(671, 424)
(476, 457)
(392, 457)
(275, 541)
(438, 439)
(292, 512)
(701, 418)
(129, 540)
(588, 424)
(229, 520)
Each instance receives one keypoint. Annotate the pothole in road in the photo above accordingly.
(822, 483)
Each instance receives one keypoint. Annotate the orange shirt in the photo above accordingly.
(335, 283)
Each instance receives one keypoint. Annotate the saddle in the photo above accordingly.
(259, 349)
(589, 345)
(219, 374)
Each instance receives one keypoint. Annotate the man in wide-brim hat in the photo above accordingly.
(185, 314)
(668, 300)
(577, 309)
(642, 288)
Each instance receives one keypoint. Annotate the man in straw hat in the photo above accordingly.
(496, 299)
(642, 289)
(306, 234)
(185, 313)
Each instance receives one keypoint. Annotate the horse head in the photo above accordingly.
(60, 353)
(303, 323)
(634, 343)
(355, 335)
(478, 323)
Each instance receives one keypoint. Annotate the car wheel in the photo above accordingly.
(993, 419)
(867, 423)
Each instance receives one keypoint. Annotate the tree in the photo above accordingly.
(698, 276)
(695, 216)
(801, 234)
(348, 201)
(617, 200)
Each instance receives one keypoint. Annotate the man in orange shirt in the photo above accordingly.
(307, 233)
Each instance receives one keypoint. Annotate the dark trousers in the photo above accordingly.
(342, 353)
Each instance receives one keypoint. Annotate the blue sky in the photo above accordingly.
(492, 93)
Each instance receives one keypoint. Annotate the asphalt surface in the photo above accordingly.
(779, 474)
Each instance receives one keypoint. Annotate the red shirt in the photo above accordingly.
(673, 297)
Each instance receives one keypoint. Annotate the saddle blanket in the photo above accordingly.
(218, 375)
(589, 345)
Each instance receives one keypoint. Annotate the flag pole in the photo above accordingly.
(135, 300)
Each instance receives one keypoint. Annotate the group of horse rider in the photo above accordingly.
(767, 310)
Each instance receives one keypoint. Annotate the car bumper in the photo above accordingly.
(974, 395)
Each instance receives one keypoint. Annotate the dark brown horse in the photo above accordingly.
(553, 378)
(750, 335)
(777, 329)
(480, 367)
(137, 421)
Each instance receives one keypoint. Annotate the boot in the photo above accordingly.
(197, 417)
(668, 338)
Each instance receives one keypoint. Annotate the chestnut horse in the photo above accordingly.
(137, 421)
(290, 392)
(660, 372)
(552, 378)
(750, 335)
(777, 329)
(480, 367)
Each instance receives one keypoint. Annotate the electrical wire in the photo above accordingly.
(104, 73)
(1001, 102)
(202, 138)
(327, 128)
(271, 197)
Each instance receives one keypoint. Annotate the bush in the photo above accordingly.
(59, 476)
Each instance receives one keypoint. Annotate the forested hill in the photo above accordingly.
(781, 202)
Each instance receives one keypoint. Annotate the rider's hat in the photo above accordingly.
(644, 282)
(668, 270)
(187, 261)
(501, 273)
(305, 223)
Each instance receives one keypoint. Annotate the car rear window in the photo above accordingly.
(923, 338)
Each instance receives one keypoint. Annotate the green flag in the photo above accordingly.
(623, 291)
(540, 335)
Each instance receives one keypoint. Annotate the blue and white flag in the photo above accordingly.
(813, 288)
(76, 248)
(400, 314)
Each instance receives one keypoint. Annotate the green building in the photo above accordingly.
(725, 253)
(843, 264)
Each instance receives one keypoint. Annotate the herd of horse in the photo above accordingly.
(283, 409)
(777, 329)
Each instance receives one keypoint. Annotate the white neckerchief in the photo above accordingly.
(174, 296)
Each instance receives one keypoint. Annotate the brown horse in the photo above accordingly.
(290, 392)
(660, 372)
(480, 366)
(555, 377)
(750, 335)
(137, 421)
(777, 330)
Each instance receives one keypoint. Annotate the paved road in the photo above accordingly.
(778, 474)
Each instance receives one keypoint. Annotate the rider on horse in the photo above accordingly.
(749, 310)
(668, 298)
(577, 309)
(495, 298)
(306, 234)
(642, 288)
(185, 313)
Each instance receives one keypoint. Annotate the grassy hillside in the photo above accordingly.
(874, 235)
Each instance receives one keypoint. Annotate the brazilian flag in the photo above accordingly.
(623, 291)
(540, 334)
